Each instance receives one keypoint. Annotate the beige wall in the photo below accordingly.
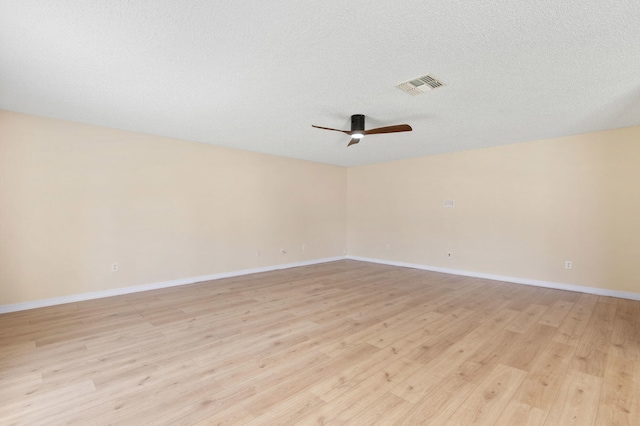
(520, 210)
(76, 198)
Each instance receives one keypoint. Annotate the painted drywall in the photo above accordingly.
(74, 199)
(520, 210)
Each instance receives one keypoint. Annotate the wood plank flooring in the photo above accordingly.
(339, 343)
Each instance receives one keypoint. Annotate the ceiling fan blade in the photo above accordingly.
(329, 128)
(357, 129)
(389, 129)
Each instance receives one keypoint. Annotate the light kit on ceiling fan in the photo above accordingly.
(357, 131)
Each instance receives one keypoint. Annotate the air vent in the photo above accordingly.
(420, 85)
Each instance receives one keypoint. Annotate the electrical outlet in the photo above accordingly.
(568, 264)
(114, 267)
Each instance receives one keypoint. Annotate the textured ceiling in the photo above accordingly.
(255, 75)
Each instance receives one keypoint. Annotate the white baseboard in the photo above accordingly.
(153, 286)
(515, 280)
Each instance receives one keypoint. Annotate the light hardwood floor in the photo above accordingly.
(345, 342)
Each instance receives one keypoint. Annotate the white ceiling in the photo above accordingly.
(255, 75)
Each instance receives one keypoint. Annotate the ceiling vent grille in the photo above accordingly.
(420, 85)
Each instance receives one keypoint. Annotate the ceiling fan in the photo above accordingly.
(357, 131)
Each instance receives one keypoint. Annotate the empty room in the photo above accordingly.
(319, 213)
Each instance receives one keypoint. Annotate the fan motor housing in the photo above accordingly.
(357, 122)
